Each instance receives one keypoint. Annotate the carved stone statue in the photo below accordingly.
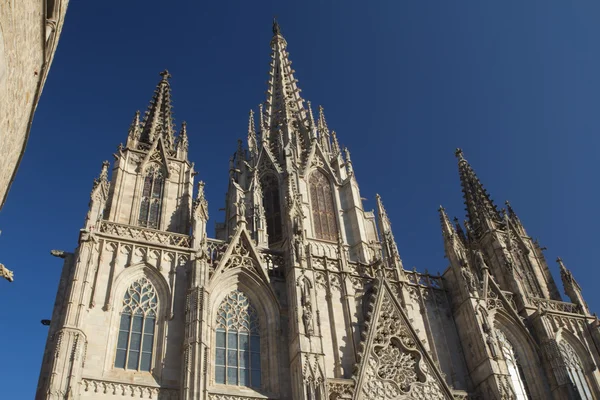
(480, 259)
(469, 279)
(308, 321)
(298, 247)
(242, 208)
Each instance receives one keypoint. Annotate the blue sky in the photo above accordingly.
(515, 84)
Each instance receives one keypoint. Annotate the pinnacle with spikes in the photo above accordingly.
(158, 120)
(182, 142)
(134, 128)
(391, 254)
(252, 142)
(572, 288)
(479, 206)
(283, 102)
(323, 130)
(311, 122)
(335, 145)
(447, 228)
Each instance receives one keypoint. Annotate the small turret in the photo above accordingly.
(323, 131)
(182, 142)
(390, 249)
(572, 288)
(134, 130)
(252, 141)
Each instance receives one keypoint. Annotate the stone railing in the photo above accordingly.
(221, 396)
(555, 305)
(129, 390)
(322, 249)
(145, 234)
(427, 280)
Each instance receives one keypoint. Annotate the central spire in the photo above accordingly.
(285, 115)
(158, 120)
(479, 206)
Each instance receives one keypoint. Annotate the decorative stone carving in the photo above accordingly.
(126, 389)
(394, 364)
(6, 273)
(145, 234)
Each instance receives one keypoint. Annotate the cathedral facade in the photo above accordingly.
(301, 293)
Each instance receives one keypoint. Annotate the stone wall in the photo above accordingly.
(28, 38)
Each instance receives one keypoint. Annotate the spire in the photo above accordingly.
(158, 120)
(283, 104)
(447, 228)
(479, 206)
(311, 122)
(572, 288)
(182, 142)
(134, 129)
(252, 142)
(323, 130)
(390, 250)
(335, 146)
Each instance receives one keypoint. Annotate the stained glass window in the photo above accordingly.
(151, 201)
(136, 330)
(575, 370)
(272, 207)
(237, 342)
(515, 370)
(323, 211)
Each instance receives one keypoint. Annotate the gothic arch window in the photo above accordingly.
(575, 370)
(323, 210)
(517, 377)
(237, 339)
(135, 343)
(272, 207)
(152, 193)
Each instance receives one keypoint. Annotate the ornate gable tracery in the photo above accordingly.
(394, 363)
(241, 253)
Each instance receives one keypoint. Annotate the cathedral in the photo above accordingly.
(300, 294)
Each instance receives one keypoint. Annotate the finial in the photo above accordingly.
(165, 75)
(459, 153)
(276, 28)
(441, 208)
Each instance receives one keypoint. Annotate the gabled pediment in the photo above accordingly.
(241, 253)
(393, 363)
(267, 162)
(157, 153)
(317, 159)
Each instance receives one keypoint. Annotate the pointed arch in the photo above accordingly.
(266, 330)
(578, 364)
(513, 364)
(521, 358)
(272, 206)
(322, 206)
(135, 343)
(151, 304)
(237, 344)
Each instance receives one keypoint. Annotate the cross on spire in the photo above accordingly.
(276, 28)
(459, 153)
(165, 74)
